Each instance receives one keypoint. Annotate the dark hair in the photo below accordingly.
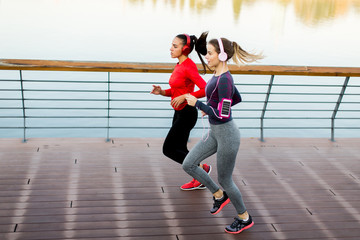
(199, 44)
(234, 51)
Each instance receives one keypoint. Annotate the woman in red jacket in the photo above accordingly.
(182, 82)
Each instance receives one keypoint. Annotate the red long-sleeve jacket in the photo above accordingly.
(183, 80)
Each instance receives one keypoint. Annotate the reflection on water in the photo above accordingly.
(202, 5)
(237, 4)
(197, 5)
(315, 11)
(309, 12)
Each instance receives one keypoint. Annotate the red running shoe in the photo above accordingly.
(193, 185)
(207, 168)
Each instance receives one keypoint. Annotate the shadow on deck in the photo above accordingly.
(126, 189)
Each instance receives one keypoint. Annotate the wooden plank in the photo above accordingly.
(292, 189)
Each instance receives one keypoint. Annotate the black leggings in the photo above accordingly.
(175, 145)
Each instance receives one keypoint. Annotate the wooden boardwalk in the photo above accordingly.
(126, 189)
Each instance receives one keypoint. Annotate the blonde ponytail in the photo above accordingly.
(242, 57)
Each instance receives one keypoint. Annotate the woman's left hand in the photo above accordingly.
(177, 101)
(191, 100)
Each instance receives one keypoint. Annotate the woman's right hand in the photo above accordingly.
(156, 90)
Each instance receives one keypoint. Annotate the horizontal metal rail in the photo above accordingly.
(37, 101)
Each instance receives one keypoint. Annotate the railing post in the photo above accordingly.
(108, 109)
(23, 106)
(337, 108)
(264, 108)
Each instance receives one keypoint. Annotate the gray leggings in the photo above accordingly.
(225, 140)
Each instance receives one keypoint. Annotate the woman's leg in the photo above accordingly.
(175, 145)
(229, 140)
(201, 151)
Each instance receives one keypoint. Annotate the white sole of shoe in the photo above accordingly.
(196, 188)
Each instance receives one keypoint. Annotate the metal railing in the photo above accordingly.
(112, 98)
